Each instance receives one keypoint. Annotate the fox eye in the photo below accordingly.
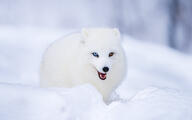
(95, 54)
(111, 54)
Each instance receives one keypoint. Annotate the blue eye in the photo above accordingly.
(95, 54)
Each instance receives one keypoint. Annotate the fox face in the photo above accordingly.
(102, 50)
(102, 62)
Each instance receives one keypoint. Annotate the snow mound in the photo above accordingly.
(85, 103)
(30, 103)
(154, 103)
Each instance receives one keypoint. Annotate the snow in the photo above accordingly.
(154, 103)
(32, 103)
(157, 85)
(85, 103)
(155, 65)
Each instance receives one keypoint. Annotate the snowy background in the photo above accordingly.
(158, 84)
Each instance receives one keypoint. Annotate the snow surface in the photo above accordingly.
(157, 87)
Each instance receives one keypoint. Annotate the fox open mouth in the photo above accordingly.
(102, 76)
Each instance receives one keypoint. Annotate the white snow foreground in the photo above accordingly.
(85, 103)
(29, 103)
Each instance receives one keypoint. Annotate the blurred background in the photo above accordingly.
(157, 35)
(167, 22)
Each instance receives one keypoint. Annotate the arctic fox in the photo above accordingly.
(94, 56)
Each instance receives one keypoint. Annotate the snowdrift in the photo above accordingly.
(85, 103)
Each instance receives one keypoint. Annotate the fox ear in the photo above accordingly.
(84, 32)
(116, 32)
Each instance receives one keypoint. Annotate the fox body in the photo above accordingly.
(92, 56)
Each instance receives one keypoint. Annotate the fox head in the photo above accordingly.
(103, 50)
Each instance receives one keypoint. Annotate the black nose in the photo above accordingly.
(105, 69)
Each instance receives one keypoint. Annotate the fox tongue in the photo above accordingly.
(102, 76)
